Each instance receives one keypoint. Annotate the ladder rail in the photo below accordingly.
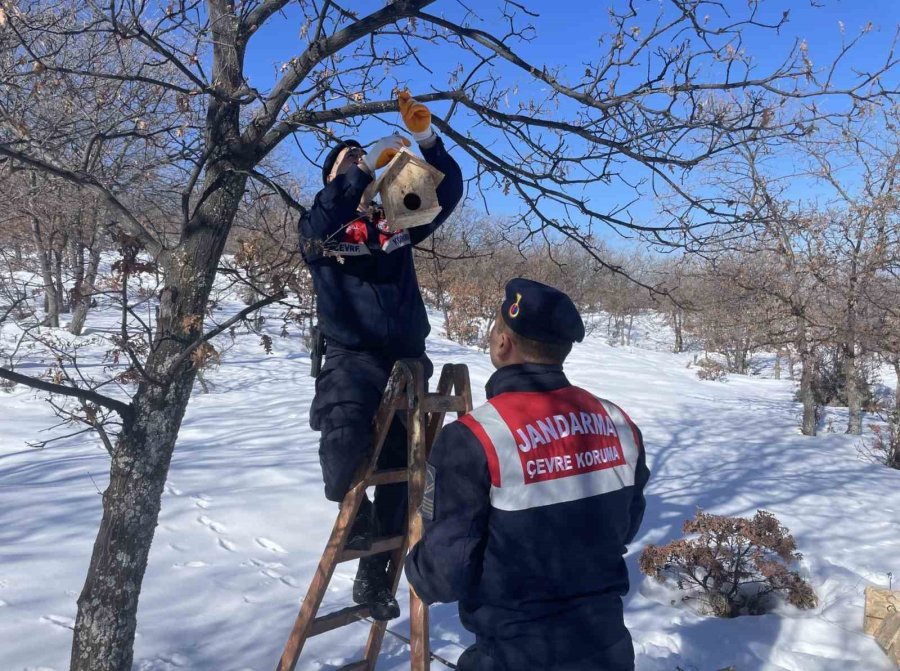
(406, 390)
(420, 659)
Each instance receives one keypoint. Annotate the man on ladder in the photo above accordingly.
(529, 502)
(371, 314)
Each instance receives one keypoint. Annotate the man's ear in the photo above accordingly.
(505, 345)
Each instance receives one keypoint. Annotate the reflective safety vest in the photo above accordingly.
(552, 447)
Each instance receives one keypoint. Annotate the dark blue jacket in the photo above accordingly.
(370, 302)
(541, 588)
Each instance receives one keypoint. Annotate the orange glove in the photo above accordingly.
(384, 150)
(415, 115)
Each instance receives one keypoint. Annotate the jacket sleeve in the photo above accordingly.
(333, 208)
(445, 565)
(449, 191)
(641, 476)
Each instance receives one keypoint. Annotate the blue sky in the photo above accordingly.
(566, 35)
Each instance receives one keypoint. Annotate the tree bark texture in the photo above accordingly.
(677, 323)
(58, 254)
(83, 294)
(854, 393)
(78, 270)
(807, 395)
(51, 297)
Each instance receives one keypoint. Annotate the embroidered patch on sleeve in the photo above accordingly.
(427, 507)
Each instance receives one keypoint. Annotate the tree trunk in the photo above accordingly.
(60, 285)
(107, 608)
(807, 395)
(677, 323)
(51, 298)
(778, 365)
(854, 393)
(744, 362)
(77, 268)
(83, 293)
(895, 362)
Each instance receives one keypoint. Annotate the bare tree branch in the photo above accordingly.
(302, 65)
(221, 328)
(124, 409)
(87, 181)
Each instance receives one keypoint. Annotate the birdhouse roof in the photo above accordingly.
(403, 159)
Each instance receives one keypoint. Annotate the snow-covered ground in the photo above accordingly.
(244, 521)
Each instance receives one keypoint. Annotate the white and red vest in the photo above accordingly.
(544, 448)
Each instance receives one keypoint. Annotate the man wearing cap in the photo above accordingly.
(372, 314)
(530, 501)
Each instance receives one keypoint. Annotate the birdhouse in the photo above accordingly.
(408, 191)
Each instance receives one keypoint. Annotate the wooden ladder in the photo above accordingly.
(406, 391)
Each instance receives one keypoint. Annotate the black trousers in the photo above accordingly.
(348, 392)
(474, 659)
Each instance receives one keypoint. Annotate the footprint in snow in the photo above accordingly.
(59, 621)
(173, 490)
(270, 545)
(190, 564)
(201, 501)
(3, 603)
(211, 525)
(227, 545)
(259, 563)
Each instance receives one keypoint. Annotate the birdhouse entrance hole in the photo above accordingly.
(412, 201)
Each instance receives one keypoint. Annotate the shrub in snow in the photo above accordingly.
(709, 369)
(733, 565)
(883, 446)
(466, 314)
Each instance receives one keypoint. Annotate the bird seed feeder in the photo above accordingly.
(408, 191)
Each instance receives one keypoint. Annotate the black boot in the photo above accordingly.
(363, 528)
(371, 588)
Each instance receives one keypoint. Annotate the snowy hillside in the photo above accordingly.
(244, 520)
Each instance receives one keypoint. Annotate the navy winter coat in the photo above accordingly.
(369, 298)
(532, 499)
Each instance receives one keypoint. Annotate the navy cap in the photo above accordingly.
(333, 155)
(540, 312)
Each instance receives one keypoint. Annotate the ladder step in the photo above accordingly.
(338, 618)
(443, 403)
(388, 477)
(379, 545)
